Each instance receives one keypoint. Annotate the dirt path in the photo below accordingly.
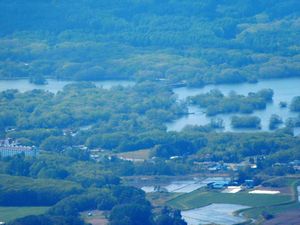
(98, 221)
(95, 217)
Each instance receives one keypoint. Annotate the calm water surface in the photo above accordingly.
(284, 90)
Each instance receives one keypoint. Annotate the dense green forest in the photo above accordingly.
(215, 102)
(159, 44)
(121, 118)
(69, 186)
(128, 119)
(195, 42)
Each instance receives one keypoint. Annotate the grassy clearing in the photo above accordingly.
(256, 212)
(271, 204)
(11, 213)
(97, 217)
(96, 214)
(140, 154)
(276, 209)
(202, 198)
(159, 199)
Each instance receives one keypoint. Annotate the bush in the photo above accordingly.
(245, 122)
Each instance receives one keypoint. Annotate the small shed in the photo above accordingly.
(218, 184)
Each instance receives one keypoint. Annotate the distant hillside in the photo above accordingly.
(203, 41)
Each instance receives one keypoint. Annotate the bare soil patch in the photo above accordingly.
(291, 218)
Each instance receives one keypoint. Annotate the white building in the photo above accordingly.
(11, 148)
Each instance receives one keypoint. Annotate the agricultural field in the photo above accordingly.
(262, 206)
(292, 216)
(11, 213)
(202, 198)
(279, 211)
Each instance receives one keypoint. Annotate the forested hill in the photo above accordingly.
(203, 41)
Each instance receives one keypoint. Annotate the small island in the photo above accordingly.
(283, 104)
(295, 104)
(245, 122)
(275, 121)
(215, 102)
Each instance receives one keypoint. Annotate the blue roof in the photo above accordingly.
(221, 183)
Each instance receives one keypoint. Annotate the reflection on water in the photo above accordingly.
(55, 85)
(214, 214)
(284, 91)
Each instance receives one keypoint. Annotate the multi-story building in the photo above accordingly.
(8, 147)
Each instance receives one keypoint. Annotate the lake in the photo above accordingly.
(55, 85)
(222, 214)
(284, 90)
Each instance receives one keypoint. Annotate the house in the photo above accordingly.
(175, 157)
(81, 147)
(213, 169)
(70, 132)
(217, 167)
(218, 184)
(295, 163)
(8, 147)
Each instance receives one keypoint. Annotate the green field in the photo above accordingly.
(140, 154)
(293, 205)
(202, 198)
(256, 212)
(11, 213)
(259, 203)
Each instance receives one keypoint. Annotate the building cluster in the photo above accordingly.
(223, 167)
(232, 186)
(295, 164)
(9, 147)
